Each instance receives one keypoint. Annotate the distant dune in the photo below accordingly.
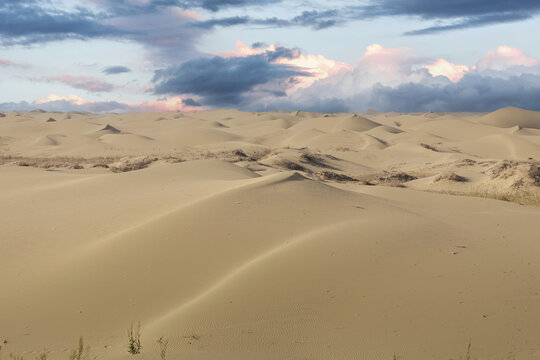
(266, 236)
(511, 116)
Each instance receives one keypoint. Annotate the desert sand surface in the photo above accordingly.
(268, 236)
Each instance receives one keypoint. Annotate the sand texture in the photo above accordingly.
(265, 236)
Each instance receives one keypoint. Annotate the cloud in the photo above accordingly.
(190, 102)
(396, 80)
(73, 99)
(126, 7)
(112, 70)
(274, 77)
(247, 75)
(443, 67)
(449, 15)
(318, 66)
(225, 22)
(168, 33)
(215, 5)
(81, 82)
(29, 22)
(314, 19)
(461, 14)
(66, 103)
(473, 93)
(221, 81)
(9, 63)
(505, 57)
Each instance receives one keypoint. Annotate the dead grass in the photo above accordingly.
(394, 179)
(132, 164)
(82, 352)
(327, 175)
(429, 147)
(528, 196)
(72, 162)
(314, 160)
(289, 165)
(450, 176)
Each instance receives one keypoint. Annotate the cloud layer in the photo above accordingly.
(271, 77)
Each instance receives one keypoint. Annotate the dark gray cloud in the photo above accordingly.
(473, 93)
(35, 21)
(113, 70)
(190, 102)
(226, 82)
(215, 5)
(126, 7)
(444, 9)
(460, 14)
(332, 105)
(224, 22)
(28, 22)
(281, 52)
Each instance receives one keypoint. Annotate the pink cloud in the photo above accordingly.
(81, 82)
(242, 50)
(443, 67)
(389, 60)
(175, 103)
(505, 57)
(73, 99)
(5, 62)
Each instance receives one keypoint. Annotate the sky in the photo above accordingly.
(266, 55)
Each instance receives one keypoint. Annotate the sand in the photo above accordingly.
(268, 236)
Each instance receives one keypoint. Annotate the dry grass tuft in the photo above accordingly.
(429, 147)
(395, 179)
(163, 343)
(67, 162)
(450, 176)
(82, 352)
(289, 165)
(134, 339)
(314, 160)
(327, 175)
(132, 164)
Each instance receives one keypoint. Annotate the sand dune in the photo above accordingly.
(356, 123)
(511, 116)
(268, 236)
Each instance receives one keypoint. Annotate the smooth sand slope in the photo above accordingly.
(270, 236)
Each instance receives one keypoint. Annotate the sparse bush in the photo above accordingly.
(134, 339)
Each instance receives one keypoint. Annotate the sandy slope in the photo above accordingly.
(261, 235)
